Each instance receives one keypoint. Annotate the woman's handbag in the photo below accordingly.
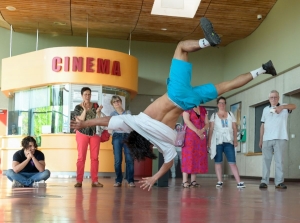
(102, 133)
(100, 130)
(181, 130)
(105, 136)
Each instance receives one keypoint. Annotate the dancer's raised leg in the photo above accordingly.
(243, 79)
(186, 46)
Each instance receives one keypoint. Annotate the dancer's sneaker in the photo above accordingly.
(210, 35)
(269, 68)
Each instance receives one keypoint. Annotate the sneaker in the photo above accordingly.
(269, 68)
(39, 184)
(131, 184)
(263, 185)
(281, 186)
(241, 185)
(117, 184)
(210, 35)
(16, 184)
(219, 184)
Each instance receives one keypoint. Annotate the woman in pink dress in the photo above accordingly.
(194, 151)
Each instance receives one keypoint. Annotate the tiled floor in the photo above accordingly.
(61, 202)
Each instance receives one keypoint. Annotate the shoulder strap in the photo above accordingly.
(215, 114)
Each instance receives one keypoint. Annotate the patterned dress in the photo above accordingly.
(194, 152)
(90, 114)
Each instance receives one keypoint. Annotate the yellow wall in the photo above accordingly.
(35, 69)
(9, 145)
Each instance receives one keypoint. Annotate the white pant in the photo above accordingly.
(278, 147)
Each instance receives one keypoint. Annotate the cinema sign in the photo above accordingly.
(88, 64)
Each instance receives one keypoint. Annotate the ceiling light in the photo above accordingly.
(177, 8)
(175, 4)
(10, 8)
(259, 17)
(60, 23)
(164, 29)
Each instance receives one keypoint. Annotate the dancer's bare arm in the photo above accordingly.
(78, 124)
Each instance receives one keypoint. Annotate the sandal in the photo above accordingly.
(194, 184)
(185, 184)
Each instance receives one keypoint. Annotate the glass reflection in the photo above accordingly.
(39, 110)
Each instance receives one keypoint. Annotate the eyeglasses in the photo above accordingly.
(116, 101)
(273, 98)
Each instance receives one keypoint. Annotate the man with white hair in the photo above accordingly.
(274, 138)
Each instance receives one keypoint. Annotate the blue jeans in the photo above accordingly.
(27, 179)
(229, 151)
(118, 144)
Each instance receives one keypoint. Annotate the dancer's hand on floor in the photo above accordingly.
(147, 182)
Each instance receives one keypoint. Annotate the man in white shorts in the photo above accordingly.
(155, 126)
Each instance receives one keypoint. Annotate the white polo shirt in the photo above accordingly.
(159, 134)
(275, 125)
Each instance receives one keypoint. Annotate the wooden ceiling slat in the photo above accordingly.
(250, 3)
(233, 19)
(104, 29)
